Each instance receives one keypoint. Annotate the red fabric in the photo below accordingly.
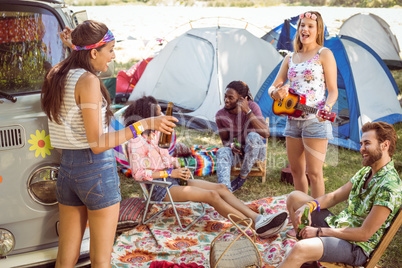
(165, 264)
(127, 79)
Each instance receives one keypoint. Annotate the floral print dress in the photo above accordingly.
(307, 78)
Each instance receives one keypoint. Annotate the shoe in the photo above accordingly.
(234, 182)
(274, 231)
(271, 224)
(239, 183)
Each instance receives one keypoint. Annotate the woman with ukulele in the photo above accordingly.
(311, 69)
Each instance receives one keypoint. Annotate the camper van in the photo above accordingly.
(29, 46)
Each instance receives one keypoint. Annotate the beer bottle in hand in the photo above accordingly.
(165, 139)
(237, 144)
(304, 222)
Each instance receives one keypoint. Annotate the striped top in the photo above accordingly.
(70, 134)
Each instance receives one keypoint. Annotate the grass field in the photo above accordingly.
(341, 164)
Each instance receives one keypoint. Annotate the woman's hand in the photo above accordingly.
(161, 123)
(181, 173)
(280, 91)
(65, 37)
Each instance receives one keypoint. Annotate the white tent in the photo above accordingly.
(376, 33)
(193, 69)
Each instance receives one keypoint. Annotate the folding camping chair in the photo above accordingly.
(259, 168)
(379, 250)
(165, 204)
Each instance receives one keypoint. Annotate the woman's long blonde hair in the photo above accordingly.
(297, 44)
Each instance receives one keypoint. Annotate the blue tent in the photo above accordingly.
(282, 36)
(367, 92)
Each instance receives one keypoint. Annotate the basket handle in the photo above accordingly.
(249, 222)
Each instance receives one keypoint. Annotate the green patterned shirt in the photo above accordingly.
(384, 189)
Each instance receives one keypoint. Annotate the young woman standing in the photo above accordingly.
(77, 105)
(311, 70)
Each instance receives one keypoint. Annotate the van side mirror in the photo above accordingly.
(79, 17)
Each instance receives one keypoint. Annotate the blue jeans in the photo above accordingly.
(88, 179)
(254, 151)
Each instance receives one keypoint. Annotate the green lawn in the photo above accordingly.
(341, 164)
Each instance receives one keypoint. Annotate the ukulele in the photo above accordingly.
(294, 105)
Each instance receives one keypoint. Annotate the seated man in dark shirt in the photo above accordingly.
(241, 119)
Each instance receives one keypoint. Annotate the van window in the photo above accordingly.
(29, 46)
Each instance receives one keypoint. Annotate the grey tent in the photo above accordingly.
(193, 69)
(376, 33)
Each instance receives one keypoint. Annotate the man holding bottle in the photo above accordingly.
(373, 195)
(242, 129)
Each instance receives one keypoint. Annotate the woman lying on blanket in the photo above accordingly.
(148, 162)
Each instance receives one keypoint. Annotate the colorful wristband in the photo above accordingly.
(311, 206)
(314, 205)
(138, 127)
(327, 108)
(134, 132)
(318, 205)
(163, 174)
(169, 172)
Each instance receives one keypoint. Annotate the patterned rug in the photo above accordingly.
(163, 240)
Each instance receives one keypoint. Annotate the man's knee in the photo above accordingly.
(308, 250)
(224, 154)
(254, 139)
(297, 198)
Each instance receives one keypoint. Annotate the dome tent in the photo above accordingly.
(376, 33)
(367, 92)
(193, 69)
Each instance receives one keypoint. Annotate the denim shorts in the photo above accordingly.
(336, 249)
(88, 179)
(309, 128)
(159, 193)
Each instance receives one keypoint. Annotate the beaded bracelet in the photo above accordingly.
(318, 231)
(134, 132)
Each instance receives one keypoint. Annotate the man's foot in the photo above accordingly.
(271, 224)
(234, 182)
(237, 183)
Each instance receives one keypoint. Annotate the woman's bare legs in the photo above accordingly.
(102, 226)
(307, 153)
(315, 151)
(215, 194)
(72, 223)
(297, 161)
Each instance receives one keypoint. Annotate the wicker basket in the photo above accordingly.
(242, 252)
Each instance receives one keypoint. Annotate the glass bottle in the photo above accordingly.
(237, 144)
(304, 222)
(165, 139)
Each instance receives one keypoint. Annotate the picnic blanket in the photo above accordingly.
(163, 240)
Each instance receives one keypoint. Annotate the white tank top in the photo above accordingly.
(307, 78)
(70, 134)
